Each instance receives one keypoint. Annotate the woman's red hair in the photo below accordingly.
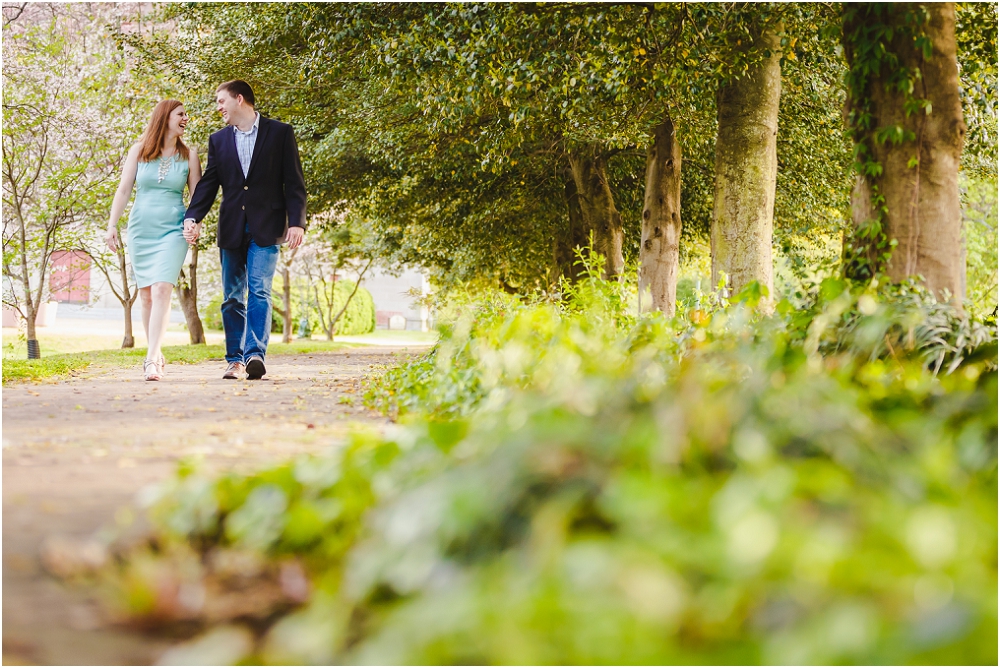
(151, 142)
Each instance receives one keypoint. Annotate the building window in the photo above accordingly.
(69, 279)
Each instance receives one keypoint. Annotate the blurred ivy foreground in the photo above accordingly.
(572, 484)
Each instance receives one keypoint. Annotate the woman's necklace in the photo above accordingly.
(164, 169)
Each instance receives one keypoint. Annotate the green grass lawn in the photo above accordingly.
(57, 365)
(62, 341)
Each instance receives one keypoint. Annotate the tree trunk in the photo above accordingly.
(329, 314)
(572, 236)
(861, 212)
(357, 285)
(31, 314)
(129, 340)
(286, 312)
(328, 295)
(597, 208)
(127, 299)
(659, 251)
(746, 168)
(187, 295)
(31, 306)
(919, 179)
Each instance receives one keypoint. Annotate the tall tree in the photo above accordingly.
(906, 116)
(659, 250)
(601, 220)
(746, 167)
(187, 295)
(282, 303)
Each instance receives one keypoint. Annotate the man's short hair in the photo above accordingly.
(238, 87)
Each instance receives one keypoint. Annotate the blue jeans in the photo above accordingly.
(247, 272)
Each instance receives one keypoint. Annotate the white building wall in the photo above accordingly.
(398, 295)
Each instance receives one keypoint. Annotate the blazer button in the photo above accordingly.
(246, 187)
(244, 208)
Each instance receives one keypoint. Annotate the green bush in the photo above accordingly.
(573, 484)
(359, 318)
(211, 316)
(836, 319)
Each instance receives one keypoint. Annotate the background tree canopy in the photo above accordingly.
(449, 129)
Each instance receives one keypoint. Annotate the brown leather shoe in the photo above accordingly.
(234, 371)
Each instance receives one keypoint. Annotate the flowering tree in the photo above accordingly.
(42, 167)
(70, 110)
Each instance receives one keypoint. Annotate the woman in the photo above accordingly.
(160, 165)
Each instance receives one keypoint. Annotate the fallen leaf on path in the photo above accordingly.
(67, 557)
(222, 646)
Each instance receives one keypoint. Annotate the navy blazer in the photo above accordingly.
(270, 198)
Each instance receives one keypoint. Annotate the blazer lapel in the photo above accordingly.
(265, 125)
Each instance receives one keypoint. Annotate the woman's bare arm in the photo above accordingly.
(192, 232)
(122, 196)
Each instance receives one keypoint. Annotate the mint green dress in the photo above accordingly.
(155, 234)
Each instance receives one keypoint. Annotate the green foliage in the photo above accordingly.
(573, 484)
(302, 305)
(831, 317)
(701, 520)
(979, 222)
(477, 333)
(309, 506)
(890, 321)
(47, 367)
(976, 38)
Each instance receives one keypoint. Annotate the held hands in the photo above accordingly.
(294, 238)
(111, 239)
(192, 231)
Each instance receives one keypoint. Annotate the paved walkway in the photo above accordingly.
(77, 451)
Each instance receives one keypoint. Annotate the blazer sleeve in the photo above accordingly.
(207, 188)
(295, 183)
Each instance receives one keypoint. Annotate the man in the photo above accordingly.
(256, 161)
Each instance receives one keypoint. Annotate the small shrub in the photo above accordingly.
(211, 316)
(359, 318)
